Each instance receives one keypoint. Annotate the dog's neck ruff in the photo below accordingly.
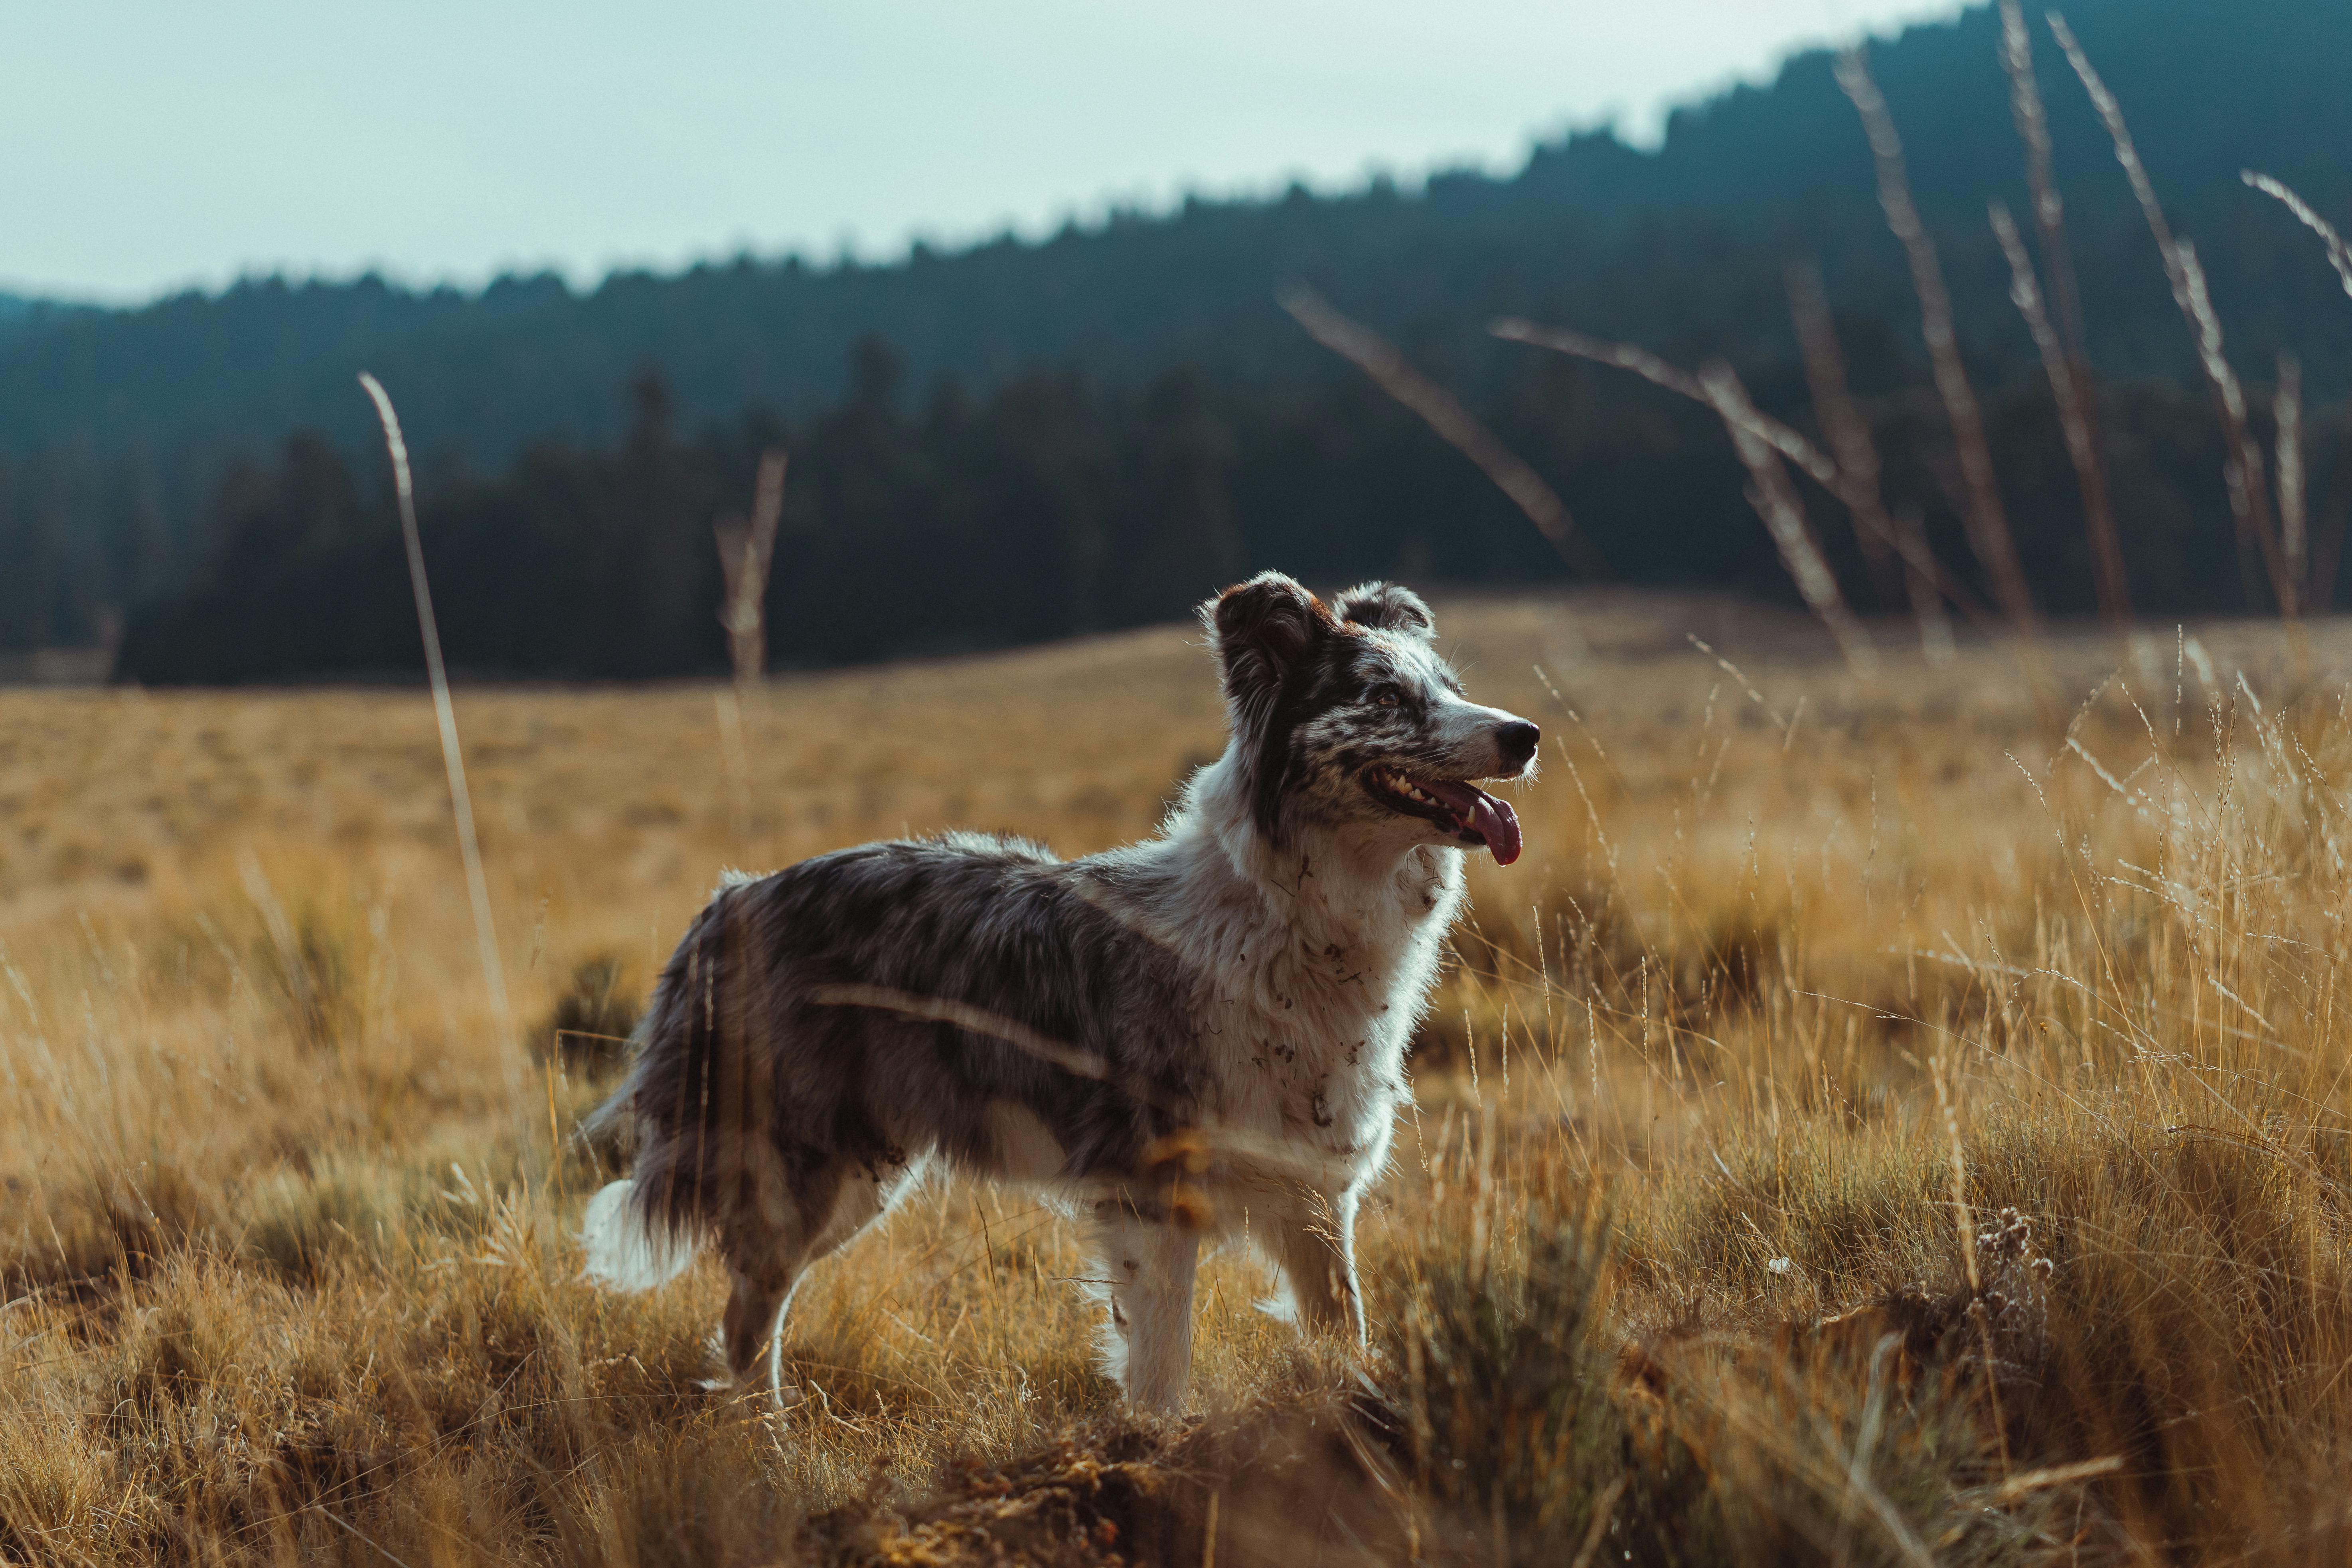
(1340, 888)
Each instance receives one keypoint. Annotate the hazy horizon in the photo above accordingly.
(158, 149)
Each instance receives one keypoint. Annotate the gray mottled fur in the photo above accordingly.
(1199, 1037)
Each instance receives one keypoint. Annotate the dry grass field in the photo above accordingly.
(1888, 1120)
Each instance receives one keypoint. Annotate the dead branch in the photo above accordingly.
(2243, 465)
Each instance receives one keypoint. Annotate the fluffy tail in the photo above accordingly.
(625, 1252)
(680, 1113)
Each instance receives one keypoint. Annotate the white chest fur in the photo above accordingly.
(1315, 964)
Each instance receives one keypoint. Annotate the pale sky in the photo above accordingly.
(149, 146)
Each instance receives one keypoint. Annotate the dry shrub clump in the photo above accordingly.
(1886, 1118)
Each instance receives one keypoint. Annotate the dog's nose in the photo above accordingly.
(1517, 742)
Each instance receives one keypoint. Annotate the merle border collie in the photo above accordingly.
(1196, 1039)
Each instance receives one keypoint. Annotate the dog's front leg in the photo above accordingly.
(1312, 1239)
(1149, 1264)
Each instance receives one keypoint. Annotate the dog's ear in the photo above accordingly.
(1386, 607)
(1260, 628)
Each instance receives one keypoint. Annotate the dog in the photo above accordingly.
(1196, 1039)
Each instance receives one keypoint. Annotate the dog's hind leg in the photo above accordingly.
(1150, 1265)
(755, 1312)
(766, 1257)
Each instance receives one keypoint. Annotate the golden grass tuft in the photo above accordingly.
(1685, 1257)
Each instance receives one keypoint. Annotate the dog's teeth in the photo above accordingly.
(1398, 784)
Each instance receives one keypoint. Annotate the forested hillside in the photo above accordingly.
(1024, 439)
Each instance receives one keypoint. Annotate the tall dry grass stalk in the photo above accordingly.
(1777, 434)
(1935, 642)
(1964, 1225)
(2242, 460)
(746, 551)
(2069, 392)
(2338, 255)
(2078, 398)
(2287, 410)
(1842, 424)
(1982, 512)
(1776, 502)
(1443, 414)
(1857, 461)
(445, 711)
(2033, 122)
(2317, 585)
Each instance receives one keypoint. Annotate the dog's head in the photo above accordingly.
(1344, 716)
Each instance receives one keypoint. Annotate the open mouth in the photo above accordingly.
(1462, 808)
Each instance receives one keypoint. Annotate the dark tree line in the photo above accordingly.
(1051, 505)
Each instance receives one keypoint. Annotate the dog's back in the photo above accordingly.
(962, 996)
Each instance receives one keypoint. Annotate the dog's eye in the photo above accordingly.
(1384, 696)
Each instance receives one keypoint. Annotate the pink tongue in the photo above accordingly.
(1494, 820)
(1498, 824)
